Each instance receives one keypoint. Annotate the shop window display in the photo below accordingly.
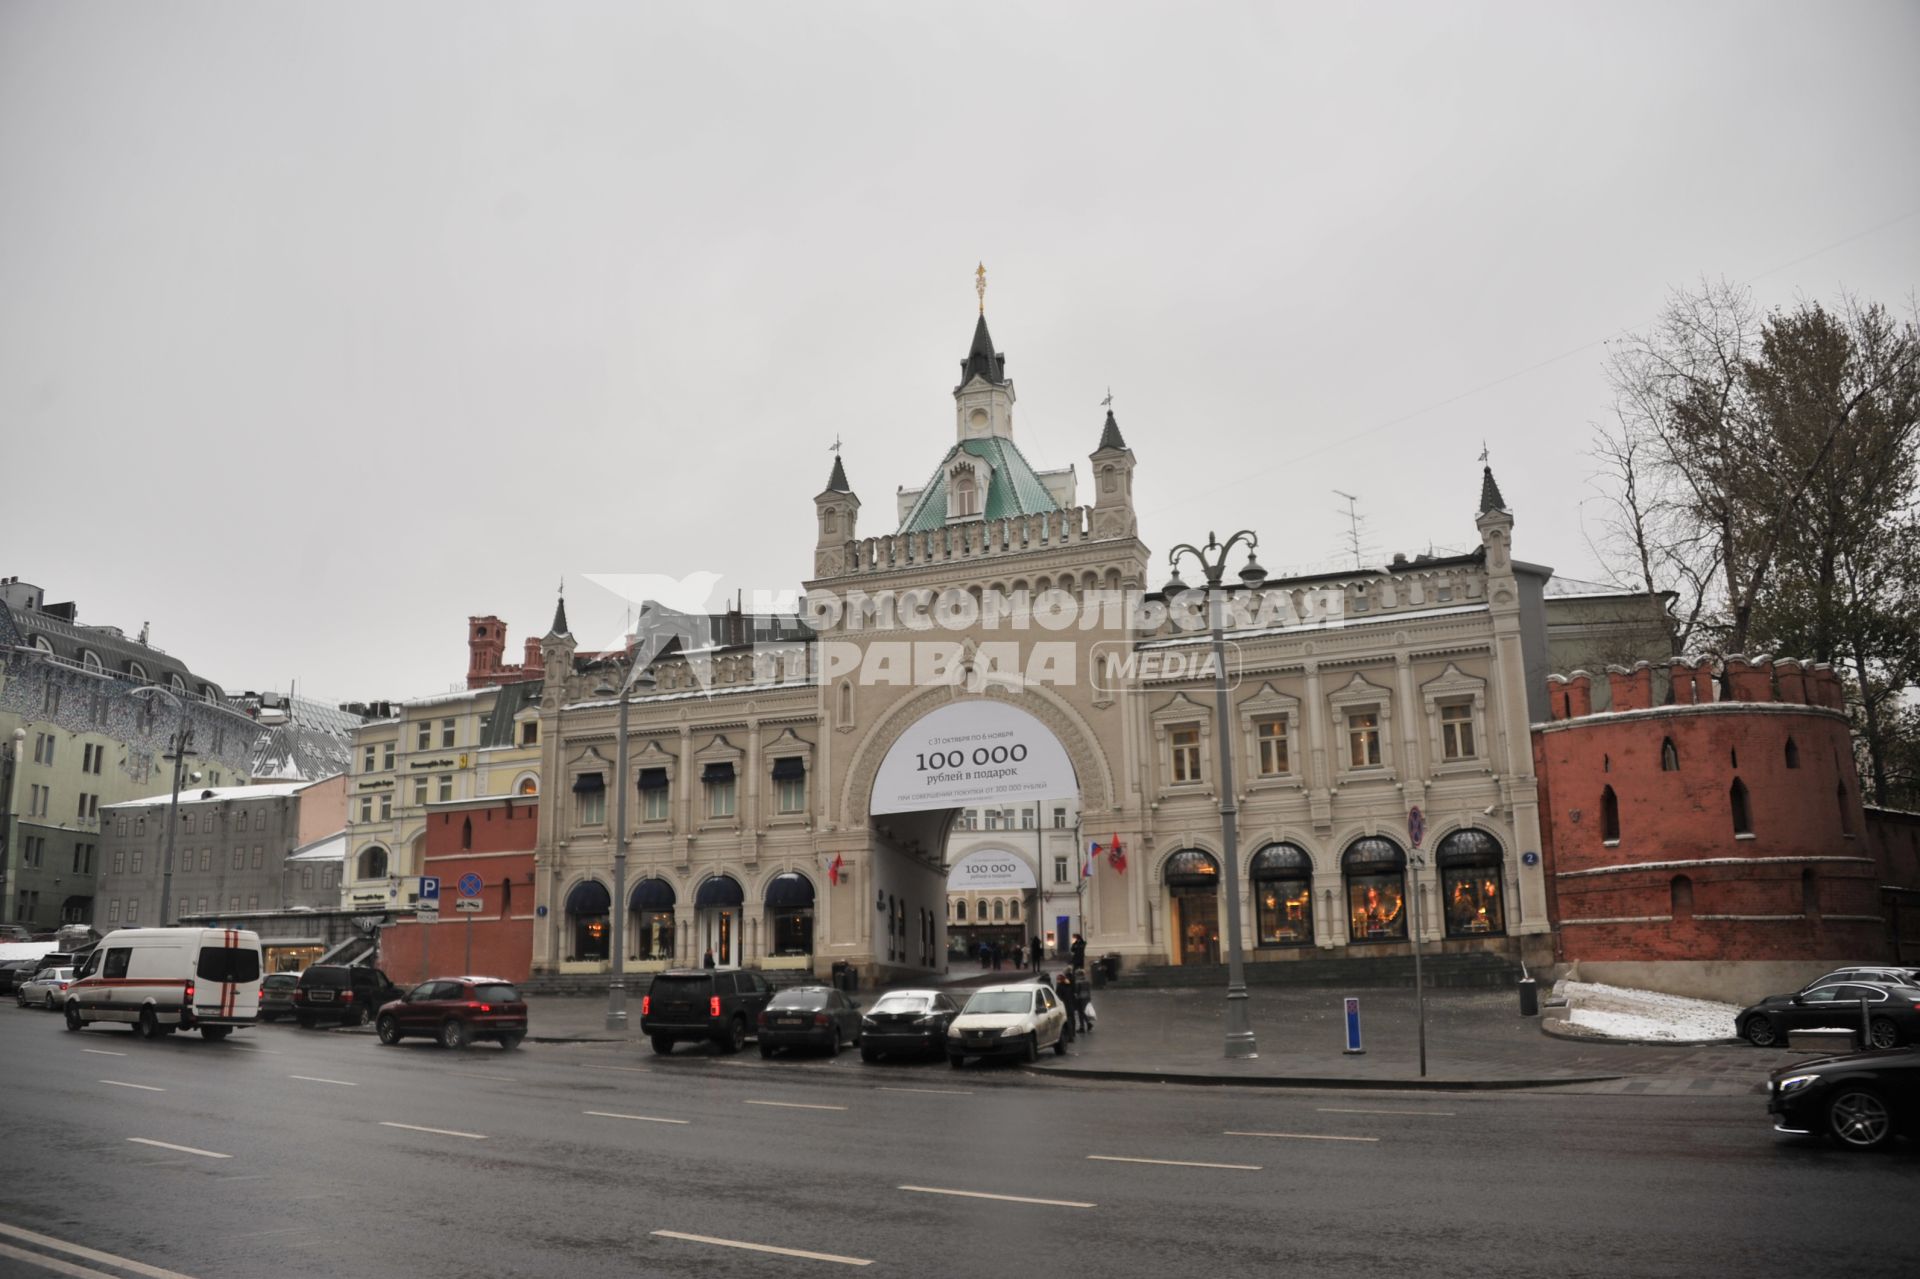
(587, 911)
(653, 902)
(1375, 871)
(1283, 896)
(790, 900)
(1470, 890)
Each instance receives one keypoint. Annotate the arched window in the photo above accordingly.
(137, 671)
(1470, 865)
(1846, 809)
(89, 659)
(1681, 891)
(1737, 800)
(1282, 877)
(999, 909)
(528, 785)
(1669, 756)
(1193, 881)
(588, 906)
(372, 863)
(1376, 873)
(790, 914)
(846, 704)
(466, 833)
(1013, 910)
(960, 909)
(1609, 816)
(1793, 753)
(963, 493)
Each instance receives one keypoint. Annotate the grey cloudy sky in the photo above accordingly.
(324, 326)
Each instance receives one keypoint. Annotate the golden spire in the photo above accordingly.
(980, 285)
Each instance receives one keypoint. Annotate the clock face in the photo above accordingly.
(977, 422)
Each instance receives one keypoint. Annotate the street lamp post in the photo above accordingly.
(1212, 560)
(182, 744)
(638, 676)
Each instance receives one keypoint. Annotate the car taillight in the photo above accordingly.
(819, 1019)
(485, 1008)
(762, 1019)
(346, 996)
(646, 1004)
(713, 1006)
(189, 992)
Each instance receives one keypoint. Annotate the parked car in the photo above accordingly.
(15, 933)
(1001, 1020)
(15, 971)
(349, 994)
(44, 989)
(703, 1003)
(276, 995)
(907, 1021)
(1860, 1100)
(56, 959)
(809, 1017)
(1878, 976)
(456, 1011)
(1893, 1014)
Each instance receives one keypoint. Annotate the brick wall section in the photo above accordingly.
(1894, 837)
(1802, 883)
(498, 846)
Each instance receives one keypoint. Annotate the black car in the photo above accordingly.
(907, 1021)
(1893, 1014)
(809, 1017)
(1861, 1100)
(13, 972)
(703, 1003)
(347, 994)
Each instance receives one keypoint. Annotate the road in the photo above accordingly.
(285, 1152)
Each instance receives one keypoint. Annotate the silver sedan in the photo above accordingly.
(44, 988)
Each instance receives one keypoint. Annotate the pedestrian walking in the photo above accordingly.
(1064, 991)
(1019, 955)
(1036, 954)
(708, 961)
(1082, 998)
(1079, 952)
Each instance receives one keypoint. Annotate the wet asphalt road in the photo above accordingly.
(812, 1155)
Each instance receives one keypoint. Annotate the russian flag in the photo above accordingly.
(1090, 860)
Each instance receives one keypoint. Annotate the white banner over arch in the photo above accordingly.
(990, 868)
(981, 751)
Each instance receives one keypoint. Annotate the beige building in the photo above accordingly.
(798, 804)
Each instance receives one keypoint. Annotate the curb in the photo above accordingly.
(576, 1039)
(1547, 1025)
(1317, 1081)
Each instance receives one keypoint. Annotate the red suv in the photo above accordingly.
(456, 1011)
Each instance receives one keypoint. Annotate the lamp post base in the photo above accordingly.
(1240, 1041)
(617, 1006)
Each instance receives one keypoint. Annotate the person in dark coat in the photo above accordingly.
(708, 961)
(1082, 998)
(1036, 954)
(1079, 951)
(1065, 992)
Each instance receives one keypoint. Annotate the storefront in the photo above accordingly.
(588, 930)
(1470, 866)
(1193, 890)
(652, 905)
(789, 916)
(717, 915)
(1375, 870)
(1282, 877)
(290, 955)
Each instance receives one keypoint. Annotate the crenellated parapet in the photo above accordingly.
(1701, 681)
(974, 540)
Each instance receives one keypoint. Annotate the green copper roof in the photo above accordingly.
(1013, 490)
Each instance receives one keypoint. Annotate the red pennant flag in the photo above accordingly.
(1116, 856)
(833, 870)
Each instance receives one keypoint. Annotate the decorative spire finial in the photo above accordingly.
(1108, 402)
(1485, 453)
(980, 285)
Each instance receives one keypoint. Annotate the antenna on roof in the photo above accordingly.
(1355, 546)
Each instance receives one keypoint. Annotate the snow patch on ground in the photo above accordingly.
(1615, 1012)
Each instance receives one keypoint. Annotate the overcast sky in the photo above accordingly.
(325, 326)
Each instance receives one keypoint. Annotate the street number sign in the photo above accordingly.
(470, 885)
(469, 905)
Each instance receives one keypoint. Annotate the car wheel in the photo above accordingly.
(388, 1028)
(1060, 1046)
(1032, 1053)
(148, 1027)
(511, 1040)
(362, 1015)
(838, 1045)
(453, 1035)
(73, 1016)
(1859, 1117)
(868, 1054)
(662, 1045)
(766, 1050)
(1882, 1033)
(1760, 1032)
(736, 1037)
(955, 1060)
(215, 1033)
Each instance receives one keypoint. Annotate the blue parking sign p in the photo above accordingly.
(429, 888)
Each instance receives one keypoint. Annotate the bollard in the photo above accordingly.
(1529, 997)
(1352, 1023)
(1866, 1025)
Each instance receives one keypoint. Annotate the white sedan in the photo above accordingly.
(45, 988)
(1007, 1020)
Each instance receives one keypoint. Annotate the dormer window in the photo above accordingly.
(963, 494)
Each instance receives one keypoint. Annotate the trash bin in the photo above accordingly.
(1529, 997)
(1098, 973)
(1111, 963)
(845, 976)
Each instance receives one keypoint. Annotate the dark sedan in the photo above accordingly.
(907, 1021)
(276, 995)
(809, 1017)
(1893, 1014)
(1861, 1100)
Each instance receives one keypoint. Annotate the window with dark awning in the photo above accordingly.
(789, 892)
(588, 782)
(789, 768)
(1469, 848)
(1192, 868)
(653, 894)
(589, 898)
(722, 772)
(721, 890)
(653, 779)
(1281, 861)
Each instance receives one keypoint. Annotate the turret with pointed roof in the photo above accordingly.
(1490, 499)
(1110, 434)
(837, 482)
(1113, 463)
(982, 360)
(560, 618)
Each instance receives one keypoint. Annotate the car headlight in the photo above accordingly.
(1012, 1032)
(1793, 1083)
(868, 1023)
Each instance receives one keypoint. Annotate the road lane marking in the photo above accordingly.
(185, 1150)
(142, 1087)
(474, 1074)
(645, 1119)
(1012, 1199)
(57, 1266)
(249, 1048)
(944, 1092)
(763, 1247)
(101, 1052)
(795, 1105)
(315, 1079)
(443, 1132)
(625, 1070)
(1342, 1110)
(90, 1254)
(1171, 1163)
(1298, 1136)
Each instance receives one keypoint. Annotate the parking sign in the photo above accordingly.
(429, 888)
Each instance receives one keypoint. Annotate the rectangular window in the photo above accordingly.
(120, 863)
(486, 726)
(653, 804)
(136, 861)
(993, 819)
(258, 855)
(446, 788)
(1059, 819)
(1363, 739)
(529, 732)
(233, 903)
(424, 739)
(386, 806)
(206, 859)
(139, 826)
(239, 858)
(1456, 731)
(1028, 819)
(113, 911)
(1272, 737)
(592, 796)
(720, 795)
(83, 807)
(200, 907)
(366, 761)
(366, 808)
(133, 909)
(419, 792)
(260, 819)
(253, 901)
(1186, 754)
(306, 877)
(1059, 870)
(386, 757)
(326, 877)
(446, 733)
(790, 794)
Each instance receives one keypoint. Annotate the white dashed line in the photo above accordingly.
(1299, 1136)
(142, 1087)
(1341, 1110)
(645, 1119)
(474, 1074)
(1171, 1163)
(185, 1150)
(101, 1052)
(625, 1070)
(1012, 1199)
(77, 1250)
(944, 1092)
(315, 1079)
(764, 1247)
(795, 1105)
(439, 1132)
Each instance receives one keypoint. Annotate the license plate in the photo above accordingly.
(321, 996)
(793, 1021)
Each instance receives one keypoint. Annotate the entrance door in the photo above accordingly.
(1196, 922)
(720, 933)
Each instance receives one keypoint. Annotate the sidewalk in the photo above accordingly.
(1476, 1039)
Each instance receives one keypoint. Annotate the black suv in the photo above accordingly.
(349, 995)
(703, 1003)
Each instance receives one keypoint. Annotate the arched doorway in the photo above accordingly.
(789, 900)
(1193, 891)
(1470, 896)
(717, 916)
(652, 904)
(1375, 869)
(990, 890)
(588, 933)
